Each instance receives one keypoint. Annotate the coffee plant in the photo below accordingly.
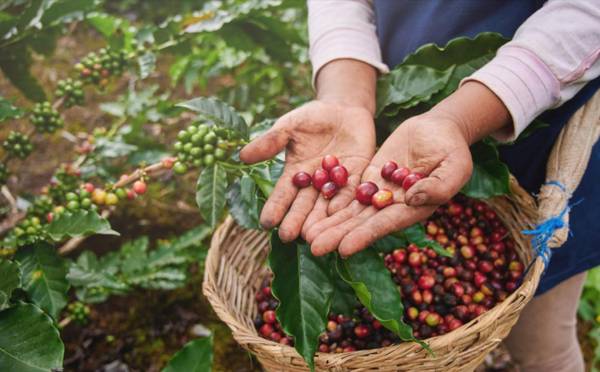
(252, 49)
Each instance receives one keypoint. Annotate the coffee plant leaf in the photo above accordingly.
(29, 341)
(195, 356)
(92, 282)
(416, 234)
(10, 279)
(211, 189)
(302, 284)
(344, 299)
(366, 273)
(79, 223)
(191, 239)
(44, 277)
(15, 63)
(467, 55)
(117, 31)
(244, 202)
(7, 23)
(8, 110)
(490, 176)
(146, 64)
(408, 85)
(389, 242)
(66, 10)
(218, 112)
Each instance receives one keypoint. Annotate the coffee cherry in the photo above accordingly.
(111, 199)
(269, 316)
(388, 168)
(301, 180)
(399, 255)
(71, 91)
(339, 175)
(399, 175)
(329, 162)
(320, 178)
(179, 168)
(329, 190)
(382, 199)
(433, 319)
(45, 118)
(362, 331)
(139, 187)
(17, 144)
(266, 330)
(365, 191)
(410, 180)
(426, 282)
(99, 196)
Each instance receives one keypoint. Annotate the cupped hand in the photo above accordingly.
(307, 134)
(431, 144)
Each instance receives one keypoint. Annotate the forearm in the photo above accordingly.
(476, 110)
(349, 82)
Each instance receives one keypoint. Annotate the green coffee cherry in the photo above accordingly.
(79, 312)
(29, 231)
(97, 68)
(201, 145)
(71, 91)
(45, 118)
(17, 144)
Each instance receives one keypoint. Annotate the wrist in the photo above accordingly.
(476, 111)
(347, 82)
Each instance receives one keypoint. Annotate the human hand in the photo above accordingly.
(307, 134)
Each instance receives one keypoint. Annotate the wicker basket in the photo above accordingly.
(235, 268)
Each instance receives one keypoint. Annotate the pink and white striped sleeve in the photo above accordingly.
(343, 29)
(551, 57)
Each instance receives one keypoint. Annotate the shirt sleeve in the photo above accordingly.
(342, 29)
(551, 57)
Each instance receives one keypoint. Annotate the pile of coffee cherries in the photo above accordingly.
(439, 293)
(329, 179)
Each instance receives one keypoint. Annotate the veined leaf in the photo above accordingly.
(195, 356)
(217, 111)
(244, 204)
(302, 284)
(416, 234)
(389, 242)
(408, 85)
(44, 277)
(79, 223)
(10, 279)
(15, 62)
(344, 299)
(366, 273)
(210, 193)
(29, 341)
(490, 175)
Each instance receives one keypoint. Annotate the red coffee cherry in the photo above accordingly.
(365, 191)
(382, 199)
(329, 190)
(339, 175)
(399, 175)
(320, 178)
(139, 187)
(329, 162)
(387, 170)
(301, 180)
(410, 180)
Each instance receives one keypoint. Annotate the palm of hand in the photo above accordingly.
(307, 134)
(433, 147)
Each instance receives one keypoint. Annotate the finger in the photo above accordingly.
(318, 213)
(279, 201)
(340, 217)
(329, 239)
(393, 218)
(292, 222)
(345, 196)
(443, 182)
(269, 144)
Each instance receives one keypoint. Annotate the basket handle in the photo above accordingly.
(567, 164)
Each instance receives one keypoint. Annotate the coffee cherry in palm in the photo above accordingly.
(301, 180)
(17, 144)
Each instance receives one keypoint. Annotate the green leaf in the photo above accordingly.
(10, 279)
(210, 193)
(8, 111)
(467, 55)
(366, 273)
(244, 204)
(302, 284)
(63, 10)
(389, 242)
(217, 111)
(195, 356)
(29, 341)
(77, 224)
(93, 282)
(44, 277)
(344, 299)
(407, 86)
(416, 234)
(15, 62)
(147, 64)
(490, 175)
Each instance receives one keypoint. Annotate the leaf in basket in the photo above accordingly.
(366, 273)
(490, 175)
(302, 284)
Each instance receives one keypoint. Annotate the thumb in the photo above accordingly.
(443, 182)
(269, 144)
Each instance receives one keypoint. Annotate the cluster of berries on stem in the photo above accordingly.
(71, 91)
(18, 145)
(45, 118)
(97, 68)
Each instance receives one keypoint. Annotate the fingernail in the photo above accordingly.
(267, 224)
(418, 199)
